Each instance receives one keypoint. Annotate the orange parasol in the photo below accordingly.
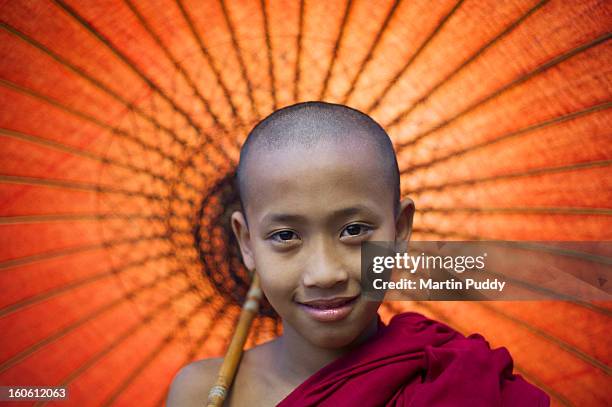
(121, 124)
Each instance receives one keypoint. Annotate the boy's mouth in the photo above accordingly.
(329, 310)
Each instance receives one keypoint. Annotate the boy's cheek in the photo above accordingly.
(386, 233)
(277, 282)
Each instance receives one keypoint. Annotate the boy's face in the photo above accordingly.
(308, 211)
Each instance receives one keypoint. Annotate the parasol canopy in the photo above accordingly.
(121, 125)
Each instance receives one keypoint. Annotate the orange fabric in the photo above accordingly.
(121, 121)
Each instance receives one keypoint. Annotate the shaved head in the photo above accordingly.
(309, 124)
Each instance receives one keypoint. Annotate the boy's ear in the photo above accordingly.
(241, 231)
(403, 224)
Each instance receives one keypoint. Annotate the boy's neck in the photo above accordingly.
(297, 359)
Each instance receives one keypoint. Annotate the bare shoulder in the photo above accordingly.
(192, 382)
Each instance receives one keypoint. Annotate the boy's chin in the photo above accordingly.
(335, 335)
(330, 339)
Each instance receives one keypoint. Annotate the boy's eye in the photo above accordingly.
(355, 229)
(284, 236)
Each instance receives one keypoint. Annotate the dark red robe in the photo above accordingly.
(418, 362)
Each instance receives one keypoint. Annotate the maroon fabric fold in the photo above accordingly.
(418, 362)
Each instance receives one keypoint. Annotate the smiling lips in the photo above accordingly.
(329, 310)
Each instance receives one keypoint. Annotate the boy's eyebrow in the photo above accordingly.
(281, 217)
(353, 210)
(287, 217)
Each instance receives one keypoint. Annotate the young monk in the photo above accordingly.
(316, 180)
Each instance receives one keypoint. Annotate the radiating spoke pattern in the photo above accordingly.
(121, 126)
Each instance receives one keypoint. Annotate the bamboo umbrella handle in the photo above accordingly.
(218, 392)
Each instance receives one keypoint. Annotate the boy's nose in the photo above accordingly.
(323, 269)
